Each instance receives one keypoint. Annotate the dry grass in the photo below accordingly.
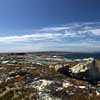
(98, 63)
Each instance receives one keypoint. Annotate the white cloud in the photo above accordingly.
(65, 37)
(71, 30)
(50, 29)
(96, 31)
(35, 36)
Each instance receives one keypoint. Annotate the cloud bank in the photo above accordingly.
(78, 37)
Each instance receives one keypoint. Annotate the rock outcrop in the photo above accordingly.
(85, 70)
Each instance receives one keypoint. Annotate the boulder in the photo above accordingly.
(86, 70)
(57, 67)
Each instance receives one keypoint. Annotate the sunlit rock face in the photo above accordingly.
(86, 70)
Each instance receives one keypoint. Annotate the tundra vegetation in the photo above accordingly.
(27, 77)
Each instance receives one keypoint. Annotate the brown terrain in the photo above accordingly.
(23, 79)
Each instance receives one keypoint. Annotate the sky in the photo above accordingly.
(49, 25)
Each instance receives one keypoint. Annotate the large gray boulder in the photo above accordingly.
(86, 70)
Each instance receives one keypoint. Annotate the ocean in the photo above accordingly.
(81, 55)
(69, 55)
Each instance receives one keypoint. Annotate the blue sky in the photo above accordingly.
(49, 25)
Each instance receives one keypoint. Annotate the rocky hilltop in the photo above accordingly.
(27, 77)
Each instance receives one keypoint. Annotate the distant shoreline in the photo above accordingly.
(48, 52)
(60, 54)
